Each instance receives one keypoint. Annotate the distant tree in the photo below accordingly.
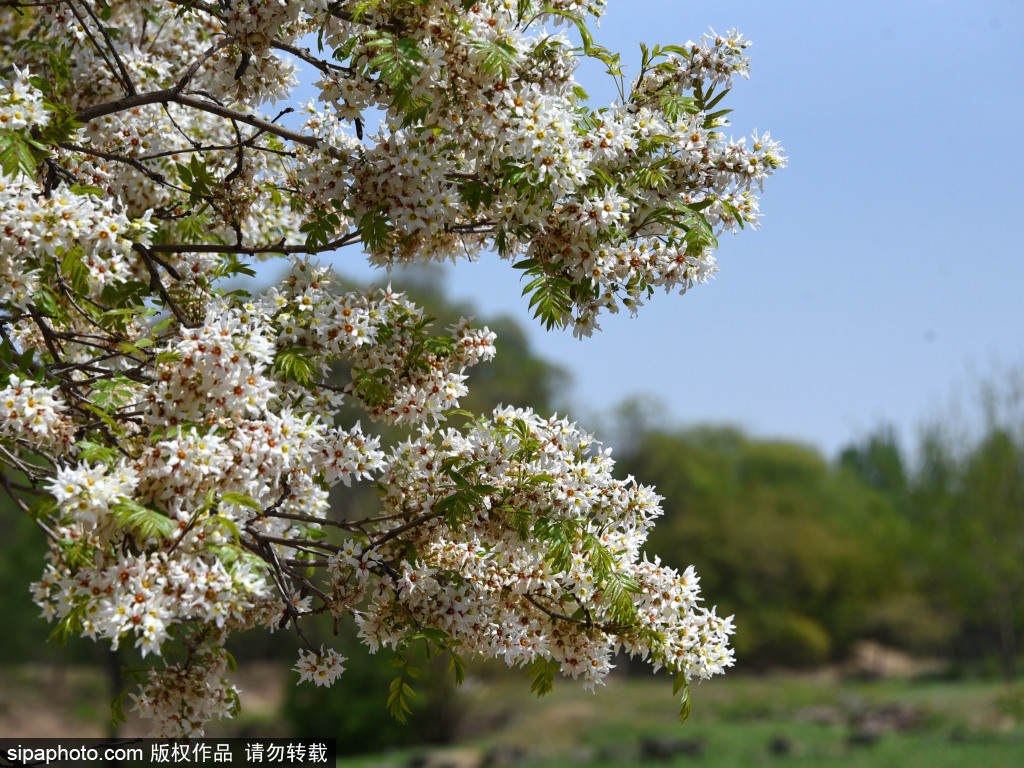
(962, 501)
(970, 500)
(987, 521)
(808, 556)
(880, 463)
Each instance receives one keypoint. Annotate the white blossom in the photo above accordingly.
(181, 437)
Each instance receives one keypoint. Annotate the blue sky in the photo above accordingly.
(889, 265)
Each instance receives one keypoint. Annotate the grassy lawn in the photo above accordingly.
(780, 720)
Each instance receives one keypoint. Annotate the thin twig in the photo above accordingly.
(126, 78)
(156, 283)
(126, 85)
(403, 528)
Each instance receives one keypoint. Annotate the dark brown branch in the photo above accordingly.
(308, 563)
(156, 176)
(203, 58)
(294, 543)
(611, 629)
(174, 96)
(16, 4)
(34, 474)
(382, 518)
(47, 332)
(253, 250)
(156, 283)
(248, 142)
(260, 546)
(10, 488)
(309, 58)
(197, 5)
(310, 519)
(256, 122)
(394, 534)
(128, 102)
(239, 160)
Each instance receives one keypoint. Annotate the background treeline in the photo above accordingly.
(924, 553)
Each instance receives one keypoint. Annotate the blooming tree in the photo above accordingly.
(176, 438)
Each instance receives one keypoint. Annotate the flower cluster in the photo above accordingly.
(605, 203)
(399, 375)
(35, 414)
(322, 667)
(143, 596)
(89, 494)
(78, 237)
(134, 154)
(181, 699)
(21, 103)
(533, 523)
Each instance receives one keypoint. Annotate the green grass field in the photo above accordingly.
(779, 720)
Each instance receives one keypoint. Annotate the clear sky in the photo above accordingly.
(889, 262)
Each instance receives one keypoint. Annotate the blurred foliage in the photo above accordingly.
(923, 553)
(354, 711)
(806, 555)
(963, 500)
(22, 551)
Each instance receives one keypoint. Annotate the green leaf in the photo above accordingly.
(399, 694)
(520, 522)
(147, 523)
(69, 625)
(375, 231)
(321, 228)
(679, 683)
(46, 301)
(710, 119)
(618, 590)
(76, 553)
(25, 363)
(397, 64)
(231, 526)
(577, 20)
(675, 106)
(16, 155)
(684, 710)
(370, 387)
(197, 179)
(551, 300)
(117, 716)
(241, 500)
(296, 364)
(474, 193)
(542, 673)
(95, 452)
(499, 57)
(44, 507)
(458, 664)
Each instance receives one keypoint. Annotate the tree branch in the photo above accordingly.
(348, 239)
(157, 283)
(125, 77)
